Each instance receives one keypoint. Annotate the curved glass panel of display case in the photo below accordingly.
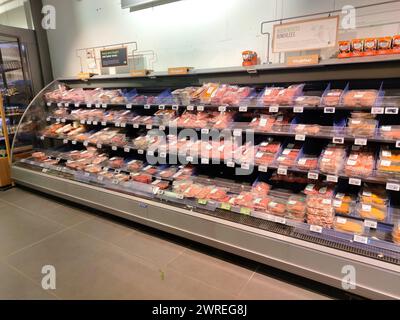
(108, 147)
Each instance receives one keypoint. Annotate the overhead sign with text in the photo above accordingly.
(114, 57)
(305, 35)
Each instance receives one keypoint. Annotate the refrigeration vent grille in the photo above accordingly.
(339, 244)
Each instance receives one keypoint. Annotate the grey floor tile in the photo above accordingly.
(65, 215)
(14, 286)
(151, 248)
(65, 251)
(104, 229)
(218, 273)
(262, 287)
(19, 229)
(36, 204)
(14, 195)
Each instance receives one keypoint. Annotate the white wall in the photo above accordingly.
(14, 17)
(197, 33)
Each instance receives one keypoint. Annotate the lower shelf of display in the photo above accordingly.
(391, 184)
(149, 192)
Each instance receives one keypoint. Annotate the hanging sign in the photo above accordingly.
(305, 35)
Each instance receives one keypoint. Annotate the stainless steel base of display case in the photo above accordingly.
(374, 279)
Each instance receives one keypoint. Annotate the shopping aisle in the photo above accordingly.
(99, 258)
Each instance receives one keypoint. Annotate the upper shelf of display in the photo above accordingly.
(377, 67)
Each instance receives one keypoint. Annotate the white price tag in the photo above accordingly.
(63, 120)
(99, 146)
(48, 119)
(371, 224)
(222, 109)
(149, 127)
(280, 220)
(76, 105)
(83, 121)
(300, 137)
(129, 106)
(237, 133)
(127, 150)
(330, 178)
(355, 182)
(189, 159)
(263, 168)
(66, 104)
(313, 176)
(245, 166)
(104, 124)
(205, 131)
(316, 229)
(140, 151)
(274, 109)
(397, 144)
(117, 124)
(175, 107)
(104, 106)
(200, 108)
(65, 141)
(205, 161)
(298, 109)
(136, 126)
(366, 208)
(98, 105)
(161, 107)
(114, 148)
(147, 107)
(337, 203)
(48, 104)
(163, 155)
(123, 125)
(392, 110)
(74, 142)
(85, 144)
(59, 104)
(190, 108)
(150, 153)
(230, 164)
(360, 239)
(377, 110)
(283, 171)
(88, 105)
(161, 128)
(393, 186)
(338, 140)
(243, 109)
(100, 178)
(45, 170)
(361, 142)
(329, 110)
(95, 123)
(88, 122)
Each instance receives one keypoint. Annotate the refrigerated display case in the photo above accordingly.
(309, 188)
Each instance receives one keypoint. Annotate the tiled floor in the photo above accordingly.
(97, 257)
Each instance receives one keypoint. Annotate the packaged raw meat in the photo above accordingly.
(92, 168)
(344, 203)
(332, 98)
(39, 156)
(61, 113)
(270, 96)
(277, 207)
(360, 98)
(116, 163)
(389, 162)
(307, 162)
(245, 200)
(396, 233)
(235, 98)
(288, 96)
(361, 124)
(390, 132)
(308, 101)
(332, 159)
(360, 162)
(162, 185)
(219, 194)
(142, 178)
(122, 177)
(134, 166)
(208, 92)
(180, 187)
(310, 129)
(168, 173)
(193, 191)
(97, 160)
(151, 170)
(261, 189)
(296, 208)
(222, 121)
(349, 225)
(374, 195)
(270, 147)
(261, 203)
(289, 156)
(106, 174)
(371, 211)
(205, 192)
